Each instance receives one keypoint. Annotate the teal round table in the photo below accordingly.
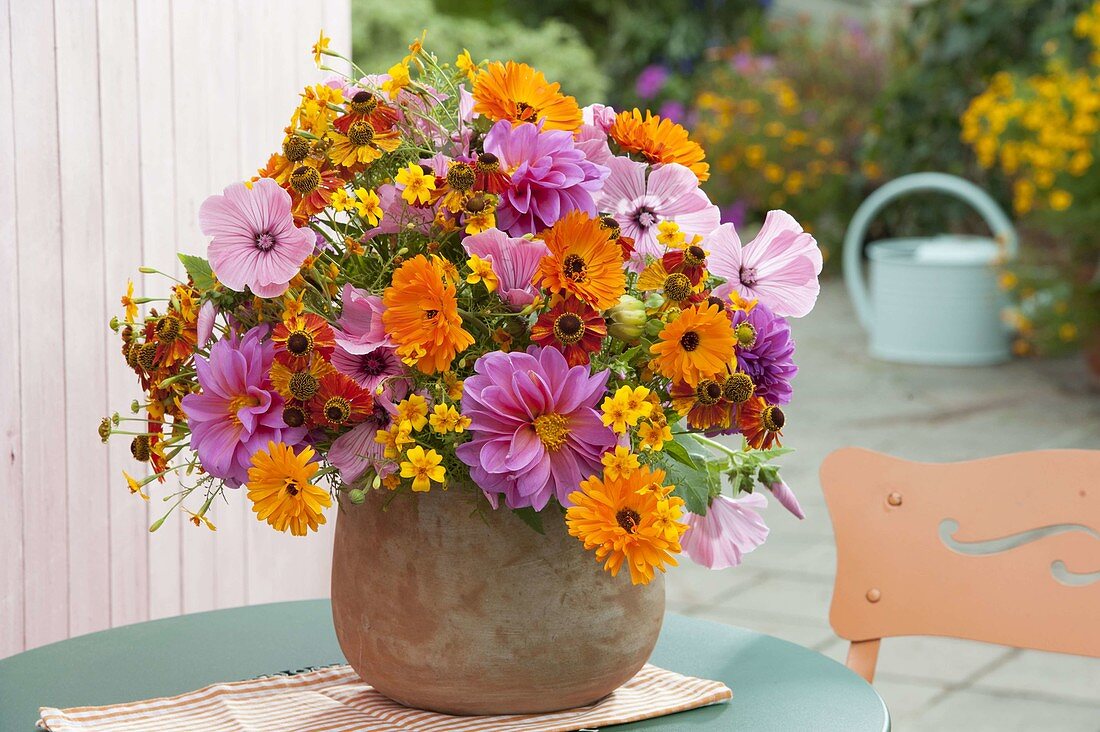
(776, 685)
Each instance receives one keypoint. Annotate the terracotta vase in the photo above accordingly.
(445, 608)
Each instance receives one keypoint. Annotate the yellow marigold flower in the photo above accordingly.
(654, 435)
(418, 185)
(669, 234)
(453, 384)
(626, 407)
(423, 467)
(281, 492)
(399, 79)
(445, 418)
(631, 519)
(1060, 200)
(128, 302)
(134, 485)
(414, 410)
(466, 65)
(481, 270)
(320, 47)
(340, 200)
(199, 519)
(390, 482)
(368, 206)
(618, 462)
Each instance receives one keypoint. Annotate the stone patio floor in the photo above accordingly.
(843, 397)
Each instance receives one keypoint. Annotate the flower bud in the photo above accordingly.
(357, 496)
(628, 318)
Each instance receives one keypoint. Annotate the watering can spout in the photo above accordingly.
(949, 280)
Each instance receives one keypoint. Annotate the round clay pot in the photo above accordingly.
(443, 607)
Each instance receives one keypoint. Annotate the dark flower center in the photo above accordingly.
(299, 343)
(461, 176)
(568, 328)
(689, 340)
(629, 519)
(337, 410)
(677, 287)
(488, 163)
(372, 364)
(305, 179)
(292, 487)
(694, 255)
(363, 102)
(609, 223)
(747, 275)
(139, 448)
(295, 149)
(302, 386)
(773, 418)
(476, 203)
(361, 133)
(430, 314)
(148, 356)
(575, 268)
(294, 416)
(168, 329)
(524, 110)
(264, 241)
(708, 392)
(645, 217)
(738, 388)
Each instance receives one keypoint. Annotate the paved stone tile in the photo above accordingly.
(974, 711)
(691, 585)
(937, 660)
(1032, 672)
(783, 598)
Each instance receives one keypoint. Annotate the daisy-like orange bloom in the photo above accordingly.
(311, 187)
(573, 328)
(422, 317)
(177, 331)
(366, 107)
(761, 423)
(626, 244)
(632, 518)
(361, 145)
(691, 261)
(696, 345)
(659, 141)
(584, 261)
(281, 492)
(299, 337)
(298, 379)
(339, 401)
(518, 93)
(677, 287)
(703, 405)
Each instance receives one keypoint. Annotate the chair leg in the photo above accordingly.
(862, 657)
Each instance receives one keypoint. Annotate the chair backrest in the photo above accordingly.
(1004, 550)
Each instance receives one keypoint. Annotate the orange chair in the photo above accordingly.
(1003, 550)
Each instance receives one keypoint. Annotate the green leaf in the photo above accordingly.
(693, 485)
(679, 453)
(199, 270)
(530, 517)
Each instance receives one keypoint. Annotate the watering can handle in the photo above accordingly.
(998, 222)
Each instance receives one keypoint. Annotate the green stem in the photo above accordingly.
(715, 445)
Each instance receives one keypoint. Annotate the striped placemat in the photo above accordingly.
(334, 699)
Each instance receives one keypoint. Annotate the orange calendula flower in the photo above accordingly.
(281, 492)
(422, 317)
(584, 261)
(696, 345)
(761, 423)
(631, 518)
(518, 93)
(658, 141)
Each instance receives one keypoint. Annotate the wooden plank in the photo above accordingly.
(336, 17)
(42, 370)
(85, 360)
(11, 445)
(192, 77)
(155, 98)
(122, 232)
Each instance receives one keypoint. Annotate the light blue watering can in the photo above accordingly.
(931, 300)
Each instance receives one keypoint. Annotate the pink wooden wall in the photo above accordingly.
(117, 118)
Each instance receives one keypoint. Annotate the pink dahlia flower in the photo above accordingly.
(514, 261)
(536, 432)
(255, 242)
(359, 328)
(550, 177)
(671, 193)
(238, 411)
(779, 267)
(731, 529)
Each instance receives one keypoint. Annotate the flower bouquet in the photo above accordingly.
(452, 286)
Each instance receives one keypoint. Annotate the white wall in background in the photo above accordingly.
(117, 118)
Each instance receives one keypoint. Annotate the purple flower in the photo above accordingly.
(255, 242)
(779, 267)
(550, 177)
(671, 193)
(675, 111)
(650, 81)
(238, 412)
(359, 328)
(514, 261)
(735, 213)
(205, 325)
(770, 358)
(536, 432)
(731, 529)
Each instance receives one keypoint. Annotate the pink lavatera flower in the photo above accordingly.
(779, 267)
(514, 261)
(670, 193)
(255, 241)
(731, 529)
